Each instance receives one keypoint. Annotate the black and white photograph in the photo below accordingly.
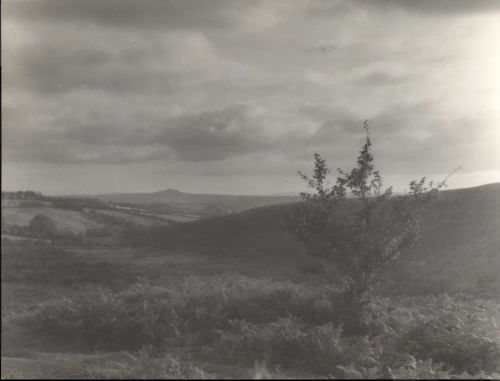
(250, 189)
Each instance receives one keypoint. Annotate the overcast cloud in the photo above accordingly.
(236, 96)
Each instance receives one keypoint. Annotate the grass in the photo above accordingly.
(293, 326)
(81, 301)
(143, 365)
(44, 265)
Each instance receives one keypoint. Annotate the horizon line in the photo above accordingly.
(284, 194)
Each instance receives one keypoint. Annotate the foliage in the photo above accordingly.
(145, 365)
(42, 226)
(460, 339)
(48, 267)
(23, 195)
(147, 314)
(281, 324)
(356, 223)
(99, 232)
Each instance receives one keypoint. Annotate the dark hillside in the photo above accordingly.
(460, 246)
(459, 215)
(255, 228)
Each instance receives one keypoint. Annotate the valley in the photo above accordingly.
(125, 284)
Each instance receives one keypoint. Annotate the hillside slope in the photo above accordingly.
(461, 244)
(460, 247)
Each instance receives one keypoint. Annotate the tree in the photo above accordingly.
(358, 225)
(42, 226)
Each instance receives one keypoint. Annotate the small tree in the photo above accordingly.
(358, 225)
(42, 226)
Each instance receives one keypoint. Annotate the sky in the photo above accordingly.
(235, 97)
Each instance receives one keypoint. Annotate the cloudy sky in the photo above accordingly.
(235, 96)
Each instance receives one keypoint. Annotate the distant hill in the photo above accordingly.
(460, 247)
(194, 201)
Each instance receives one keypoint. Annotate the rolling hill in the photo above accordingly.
(72, 217)
(460, 248)
(65, 220)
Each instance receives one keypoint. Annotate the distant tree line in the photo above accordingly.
(69, 203)
(24, 195)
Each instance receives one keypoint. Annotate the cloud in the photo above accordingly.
(331, 8)
(109, 61)
(212, 135)
(441, 7)
(407, 137)
(84, 145)
(149, 14)
(381, 78)
(236, 130)
(220, 88)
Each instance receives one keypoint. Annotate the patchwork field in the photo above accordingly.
(65, 220)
